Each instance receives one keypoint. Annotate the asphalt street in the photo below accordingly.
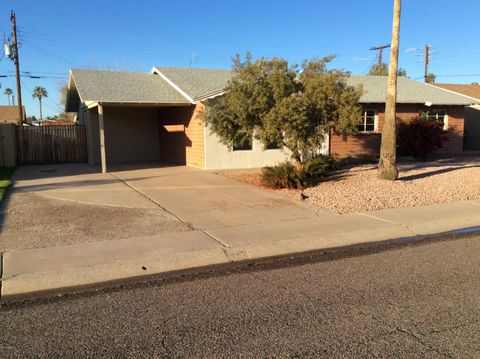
(410, 301)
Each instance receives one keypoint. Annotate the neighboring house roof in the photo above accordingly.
(120, 87)
(197, 83)
(57, 123)
(9, 114)
(408, 91)
(472, 90)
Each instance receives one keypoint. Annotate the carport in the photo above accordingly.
(134, 117)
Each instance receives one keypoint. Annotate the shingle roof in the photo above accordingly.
(472, 90)
(200, 83)
(197, 83)
(408, 91)
(133, 87)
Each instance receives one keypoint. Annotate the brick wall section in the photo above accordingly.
(182, 135)
(368, 145)
(456, 116)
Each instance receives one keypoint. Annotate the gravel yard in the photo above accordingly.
(357, 189)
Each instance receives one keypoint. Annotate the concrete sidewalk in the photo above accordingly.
(218, 221)
(61, 268)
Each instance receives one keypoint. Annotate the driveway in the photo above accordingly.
(207, 200)
(65, 204)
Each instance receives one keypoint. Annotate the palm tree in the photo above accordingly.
(8, 91)
(40, 92)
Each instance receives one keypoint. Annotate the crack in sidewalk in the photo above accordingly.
(388, 221)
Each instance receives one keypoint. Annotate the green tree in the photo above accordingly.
(63, 89)
(431, 78)
(384, 70)
(39, 93)
(278, 104)
(9, 92)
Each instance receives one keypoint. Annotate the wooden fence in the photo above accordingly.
(8, 145)
(51, 144)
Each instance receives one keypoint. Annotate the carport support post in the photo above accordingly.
(101, 127)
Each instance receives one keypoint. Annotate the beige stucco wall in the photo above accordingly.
(219, 156)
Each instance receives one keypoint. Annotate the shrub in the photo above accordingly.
(286, 175)
(318, 167)
(283, 175)
(420, 138)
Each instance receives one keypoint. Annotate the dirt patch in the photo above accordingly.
(251, 177)
(357, 189)
(31, 221)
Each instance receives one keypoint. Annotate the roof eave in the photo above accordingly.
(475, 100)
(138, 103)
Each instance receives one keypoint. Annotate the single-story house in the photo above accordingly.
(9, 114)
(132, 117)
(472, 113)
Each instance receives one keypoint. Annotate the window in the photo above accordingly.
(368, 121)
(272, 146)
(435, 115)
(243, 145)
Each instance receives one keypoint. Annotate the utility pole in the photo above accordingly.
(427, 61)
(17, 65)
(380, 56)
(387, 166)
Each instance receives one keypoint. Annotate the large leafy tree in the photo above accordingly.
(274, 102)
(384, 70)
(39, 93)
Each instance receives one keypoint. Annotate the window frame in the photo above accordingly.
(364, 122)
(243, 149)
(436, 114)
(272, 147)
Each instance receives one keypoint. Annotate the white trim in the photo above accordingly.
(171, 83)
(91, 104)
(208, 97)
(375, 120)
(204, 144)
(445, 116)
(477, 101)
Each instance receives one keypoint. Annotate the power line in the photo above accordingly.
(380, 56)
(451, 75)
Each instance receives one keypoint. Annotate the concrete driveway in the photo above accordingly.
(73, 203)
(207, 200)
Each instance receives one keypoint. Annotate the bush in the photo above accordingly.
(318, 167)
(283, 175)
(286, 175)
(420, 138)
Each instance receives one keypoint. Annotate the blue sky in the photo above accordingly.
(135, 35)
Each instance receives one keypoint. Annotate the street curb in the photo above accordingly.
(234, 264)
